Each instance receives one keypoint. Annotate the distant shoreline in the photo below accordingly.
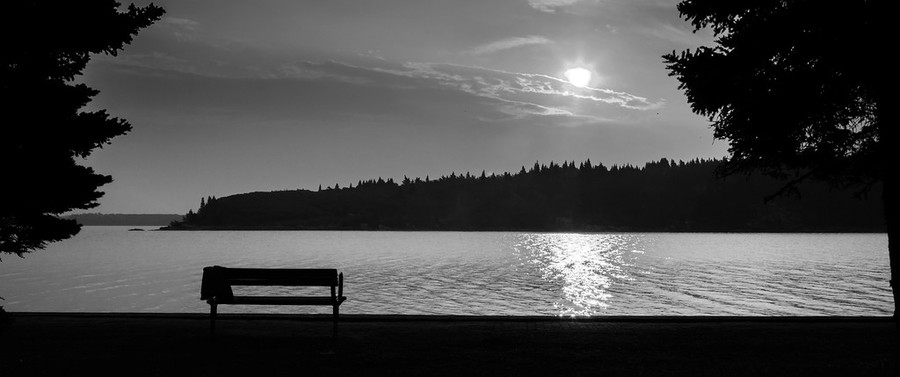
(605, 230)
(122, 219)
(659, 197)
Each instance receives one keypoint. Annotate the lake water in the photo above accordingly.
(109, 269)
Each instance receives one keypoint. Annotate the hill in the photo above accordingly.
(660, 196)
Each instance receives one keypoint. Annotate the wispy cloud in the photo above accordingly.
(681, 36)
(308, 70)
(160, 63)
(183, 29)
(550, 6)
(505, 44)
(155, 60)
(489, 94)
(524, 94)
(181, 22)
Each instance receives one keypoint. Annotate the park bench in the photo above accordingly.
(216, 288)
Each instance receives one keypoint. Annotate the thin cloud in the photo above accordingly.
(550, 6)
(681, 36)
(506, 44)
(498, 96)
(544, 84)
(524, 93)
(163, 64)
(183, 29)
(308, 70)
(184, 23)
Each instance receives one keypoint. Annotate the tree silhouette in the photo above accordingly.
(660, 196)
(46, 45)
(800, 89)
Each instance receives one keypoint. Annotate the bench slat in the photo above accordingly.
(295, 277)
(281, 300)
(278, 272)
(218, 281)
(298, 281)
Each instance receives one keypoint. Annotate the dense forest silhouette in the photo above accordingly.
(660, 196)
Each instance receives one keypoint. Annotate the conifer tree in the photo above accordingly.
(46, 45)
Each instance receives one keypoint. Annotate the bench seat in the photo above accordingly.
(282, 300)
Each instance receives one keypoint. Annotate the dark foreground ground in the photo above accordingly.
(264, 345)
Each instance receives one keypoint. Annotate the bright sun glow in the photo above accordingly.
(579, 77)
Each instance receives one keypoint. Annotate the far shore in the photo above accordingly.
(263, 344)
(538, 230)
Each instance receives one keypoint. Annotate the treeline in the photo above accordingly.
(124, 219)
(660, 196)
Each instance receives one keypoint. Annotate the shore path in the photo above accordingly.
(264, 345)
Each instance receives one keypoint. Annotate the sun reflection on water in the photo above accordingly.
(584, 267)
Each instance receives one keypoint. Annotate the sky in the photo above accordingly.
(233, 96)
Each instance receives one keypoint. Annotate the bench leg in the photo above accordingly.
(212, 319)
(335, 311)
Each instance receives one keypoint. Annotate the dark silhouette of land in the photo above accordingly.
(91, 219)
(263, 345)
(660, 196)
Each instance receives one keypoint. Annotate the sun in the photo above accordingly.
(580, 77)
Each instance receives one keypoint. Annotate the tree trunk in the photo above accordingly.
(881, 80)
(891, 152)
(890, 215)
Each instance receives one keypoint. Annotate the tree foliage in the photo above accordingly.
(46, 45)
(800, 88)
(788, 85)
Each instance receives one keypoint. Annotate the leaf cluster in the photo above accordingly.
(788, 84)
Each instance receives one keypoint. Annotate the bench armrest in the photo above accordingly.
(340, 285)
(215, 285)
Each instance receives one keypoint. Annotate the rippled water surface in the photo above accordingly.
(109, 269)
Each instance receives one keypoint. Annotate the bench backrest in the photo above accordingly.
(281, 276)
(217, 281)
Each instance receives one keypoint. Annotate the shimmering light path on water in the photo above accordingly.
(110, 269)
